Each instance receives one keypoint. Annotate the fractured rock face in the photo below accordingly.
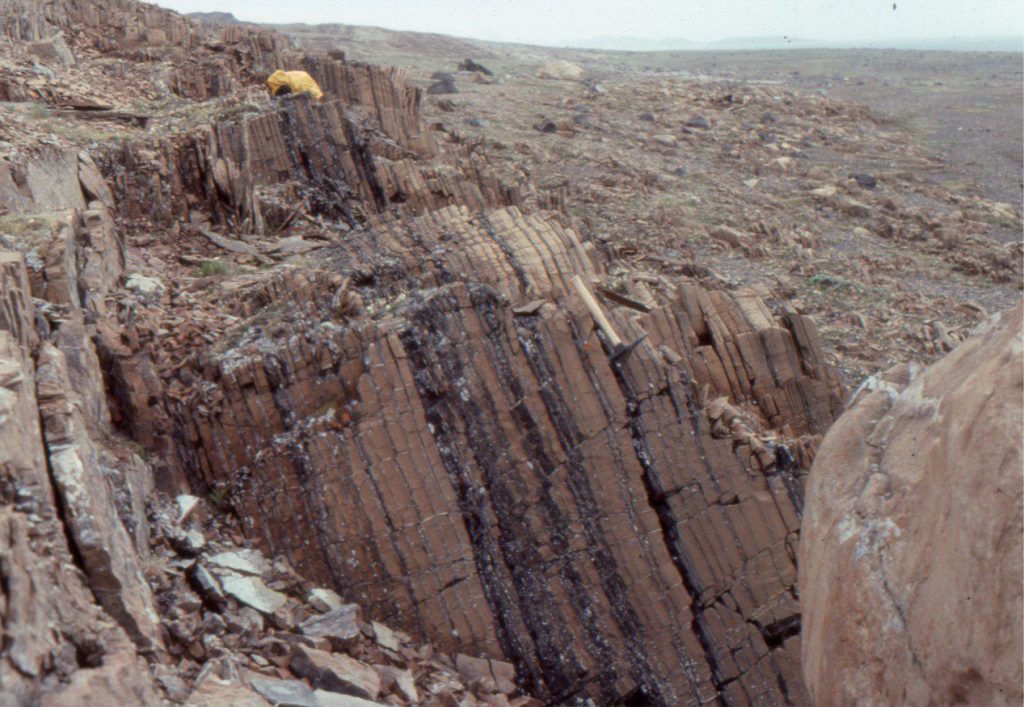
(89, 660)
(53, 50)
(106, 549)
(423, 415)
(910, 552)
(496, 483)
(348, 171)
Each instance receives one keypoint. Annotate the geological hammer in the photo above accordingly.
(618, 349)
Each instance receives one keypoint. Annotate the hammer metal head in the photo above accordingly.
(623, 350)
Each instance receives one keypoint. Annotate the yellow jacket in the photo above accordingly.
(295, 81)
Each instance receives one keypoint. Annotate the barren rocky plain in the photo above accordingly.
(497, 375)
(942, 129)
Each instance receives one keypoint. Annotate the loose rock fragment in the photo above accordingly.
(251, 591)
(340, 626)
(336, 672)
(286, 693)
(324, 600)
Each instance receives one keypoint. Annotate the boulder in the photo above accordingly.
(149, 288)
(729, 236)
(865, 181)
(53, 50)
(442, 86)
(386, 638)
(559, 69)
(910, 552)
(472, 66)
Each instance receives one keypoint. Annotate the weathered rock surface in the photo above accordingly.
(910, 552)
(419, 412)
(89, 659)
(523, 495)
(361, 151)
(87, 500)
(483, 477)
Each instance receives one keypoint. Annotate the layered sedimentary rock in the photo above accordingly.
(196, 63)
(56, 639)
(347, 158)
(491, 480)
(77, 612)
(112, 22)
(910, 554)
(422, 414)
(431, 409)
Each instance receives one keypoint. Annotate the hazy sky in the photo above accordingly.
(564, 21)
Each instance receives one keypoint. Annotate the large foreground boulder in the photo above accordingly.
(910, 557)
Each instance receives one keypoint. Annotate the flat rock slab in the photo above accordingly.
(386, 638)
(340, 626)
(285, 693)
(335, 672)
(213, 692)
(294, 245)
(400, 680)
(251, 591)
(240, 561)
(324, 600)
(325, 698)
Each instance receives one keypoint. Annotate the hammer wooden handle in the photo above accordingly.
(596, 312)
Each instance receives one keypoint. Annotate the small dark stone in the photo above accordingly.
(698, 121)
(208, 586)
(866, 181)
(470, 65)
(442, 87)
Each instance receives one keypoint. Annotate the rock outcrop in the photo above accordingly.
(56, 638)
(910, 552)
(387, 380)
(493, 481)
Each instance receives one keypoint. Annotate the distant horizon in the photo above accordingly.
(574, 23)
(1007, 42)
(625, 43)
